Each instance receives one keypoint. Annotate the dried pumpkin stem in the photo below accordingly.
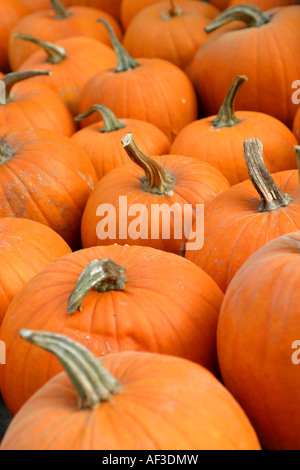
(297, 150)
(227, 116)
(172, 12)
(111, 122)
(156, 180)
(249, 14)
(15, 77)
(56, 54)
(100, 275)
(272, 197)
(125, 61)
(93, 383)
(60, 10)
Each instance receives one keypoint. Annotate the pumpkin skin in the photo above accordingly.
(268, 91)
(267, 325)
(180, 30)
(85, 57)
(11, 12)
(143, 317)
(44, 177)
(154, 388)
(26, 247)
(46, 26)
(110, 6)
(296, 125)
(38, 5)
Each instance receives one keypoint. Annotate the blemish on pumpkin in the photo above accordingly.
(88, 180)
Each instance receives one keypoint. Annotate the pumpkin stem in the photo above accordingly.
(226, 116)
(156, 180)
(93, 383)
(253, 16)
(6, 152)
(15, 77)
(297, 150)
(100, 275)
(111, 122)
(56, 54)
(272, 197)
(60, 10)
(172, 12)
(125, 61)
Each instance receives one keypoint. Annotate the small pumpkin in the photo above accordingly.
(152, 203)
(111, 299)
(102, 141)
(296, 125)
(167, 402)
(219, 139)
(248, 215)
(26, 247)
(72, 62)
(58, 23)
(152, 90)
(33, 105)
(44, 177)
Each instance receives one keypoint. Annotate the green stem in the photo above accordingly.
(15, 77)
(56, 54)
(111, 122)
(249, 14)
(61, 12)
(172, 12)
(226, 116)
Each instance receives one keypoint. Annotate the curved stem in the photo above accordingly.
(156, 180)
(111, 122)
(297, 150)
(93, 383)
(15, 77)
(60, 10)
(56, 54)
(100, 275)
(172, 12)
(226, 116)
(125, 61)
(249, 14)
(272, 197)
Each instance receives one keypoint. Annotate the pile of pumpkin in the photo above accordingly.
(116, 342)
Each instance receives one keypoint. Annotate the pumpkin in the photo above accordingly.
(152, 90)
(31, 105)
(296, 125)
(26, 247)
(111, 299)
(102, 141)
(44, 177)
(167, 402)
(262, 4)
(153, 203)
(258, 340)
(112, 7)
(38, 5)
(58, 23)
(261, 50)
(219, 139)
(246, 217)
(11, 12)
(172, 30)
(72, 62)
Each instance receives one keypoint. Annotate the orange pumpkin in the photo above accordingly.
(152, 203)
(219, 139)
(39, 5)
(102, 141)
(296, 125)
(112, 7)
(151, 90)
(111, 299)
(72, 62)
(31, 105)
(167, 402)
(179, 25)
(246, 217)
(58, 23)
(258, 340)
(44, 177)
(26, 247)
(261, 49)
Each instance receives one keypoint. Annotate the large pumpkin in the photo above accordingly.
(219, 140)
(166, 402)
(178, 24)
(262, 50)
(152, 90)
(153, 203)
(246, 217)
(44, 177)
(26, 247)
(258, 341)
(72, 63)
(111, 299)
(58, 23)
(102, 141)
